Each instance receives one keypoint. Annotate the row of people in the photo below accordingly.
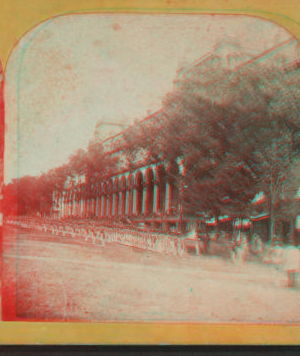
(161, 243)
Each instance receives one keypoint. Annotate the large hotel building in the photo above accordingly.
(148, 195)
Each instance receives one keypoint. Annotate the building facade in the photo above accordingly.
(149, 195)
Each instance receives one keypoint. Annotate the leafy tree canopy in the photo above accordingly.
(236, 130)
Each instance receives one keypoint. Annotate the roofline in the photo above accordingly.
(184, 70)
(269, 51)
(112, 137)
(149, 117)
(207, 56)
(193, 64)
(109, 123)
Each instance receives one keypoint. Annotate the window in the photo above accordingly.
(231, 62)
(216, 62)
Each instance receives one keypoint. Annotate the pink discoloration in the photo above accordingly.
(163, 220)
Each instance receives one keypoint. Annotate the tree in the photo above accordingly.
(30, 195)
(22, 196)
(237, 132)
(94, 163)
(10, 199)
(289, 203)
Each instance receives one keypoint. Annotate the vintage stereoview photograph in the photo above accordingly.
(152, 171)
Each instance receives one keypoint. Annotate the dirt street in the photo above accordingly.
(62, 279)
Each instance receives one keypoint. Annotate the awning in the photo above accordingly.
(224, 218)
(297, 223)
(297, 196)
(239, 223)
(211, 222)
(259, 198)
(260, 217)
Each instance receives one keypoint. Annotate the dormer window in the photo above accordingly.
(232, 62)
(279, 62)
(216, 62)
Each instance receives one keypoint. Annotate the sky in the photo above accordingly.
(69, 73)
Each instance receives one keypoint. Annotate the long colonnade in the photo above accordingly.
(142, 193)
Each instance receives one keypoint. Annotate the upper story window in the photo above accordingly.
(297, 58)
(279, 61)
(216, 62)
(232, 62)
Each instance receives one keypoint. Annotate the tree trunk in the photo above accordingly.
(292, 236)
(272, 222)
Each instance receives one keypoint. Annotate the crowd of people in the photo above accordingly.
(286, 259)
(240, 246)
(150, 241)
(283, 257)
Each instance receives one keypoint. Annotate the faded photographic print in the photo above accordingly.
(152, 170)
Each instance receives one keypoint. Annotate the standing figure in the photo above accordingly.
(291, 261)
(203, 243)
(236, 248)
(277, 254)
(257, 245)
(206, 241)
(244, 248)
(232, 249)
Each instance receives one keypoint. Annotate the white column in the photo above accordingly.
(102, 206)
(97, 207)
(120, 203)
(92, 206)
(77, 207)
(74, 205)
(144, 208)
(60, 207)
(107, 206)
(113, 204)
(63, 206)
(88, 206)
(155, 198)
(134, 201)
(168, 197)
(127, 203)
